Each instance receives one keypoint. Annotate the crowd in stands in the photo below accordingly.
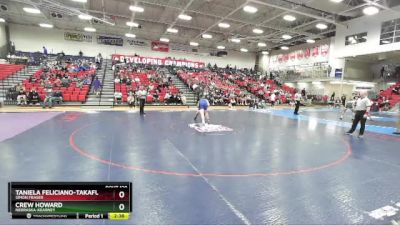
(156, 80)
(56, 82)
(37, 58)
(389, 97)
(230, 86)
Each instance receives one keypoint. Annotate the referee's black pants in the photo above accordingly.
(296, 110)
(141, 104)
(359, 117)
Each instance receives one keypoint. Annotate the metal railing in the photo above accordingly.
(102, 80)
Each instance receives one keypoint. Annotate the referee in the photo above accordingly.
(142, 94)
(361, 109)
(297, 98)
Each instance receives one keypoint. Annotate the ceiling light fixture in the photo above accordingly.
(286, 37)
(321, 26)
(135, 8)
(289, 18)
(90, 29)
(250, 9)
(224, 25)
(336, 1)
(235, 40)
(129, 35)
(265, 52)
(184, 17)
(46, 25)
(31, 10)
(81, 1)
(285, 48)
(310, 41)
(262, 44)
(207, 36)
(257, 31)
(2, 20)
(132, 24)
(172, 30)
(370, 10)
(194, 44)
(164, 39)
(244, 50)
(220, 47)
(85, 17)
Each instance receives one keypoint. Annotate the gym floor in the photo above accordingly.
(273, 168)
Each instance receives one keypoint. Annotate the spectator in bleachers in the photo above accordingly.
(87, 81)
(57, 97)
(65, 81)
(128, 81)
(33, 97)
(167, 97)
(131, 99)
(48, 101)
(79, 83)
(117, 80)
(396, 90)
(272, 99)
(21, 98)
(178, 99)
(118, 97)
(58, 82)
(18, 87)
(183, 99)
(45, 53)
(96, 86)
(156, 96)
(333, 97)
(303, 93)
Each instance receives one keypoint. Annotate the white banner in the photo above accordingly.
(317, 54)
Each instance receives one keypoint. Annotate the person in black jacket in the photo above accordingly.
(33, 97)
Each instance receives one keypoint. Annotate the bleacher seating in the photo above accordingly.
(72, 93)
(253, 86)
(389, 95)
(35, 58)
(7, 70)
(144, 81)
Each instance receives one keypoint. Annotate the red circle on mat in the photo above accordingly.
(86, 154)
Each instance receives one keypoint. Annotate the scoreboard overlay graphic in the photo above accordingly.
(70, 200)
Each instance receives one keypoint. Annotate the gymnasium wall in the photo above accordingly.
(28, 38)
(358, 70)
(335, 63)
(3, 41)
(370, 24)
(264, 63)
(324, 88)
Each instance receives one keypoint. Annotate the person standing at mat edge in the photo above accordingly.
(361, 109)
(142, 94)
(297, 98)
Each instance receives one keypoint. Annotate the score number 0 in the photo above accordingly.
(121, 195)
